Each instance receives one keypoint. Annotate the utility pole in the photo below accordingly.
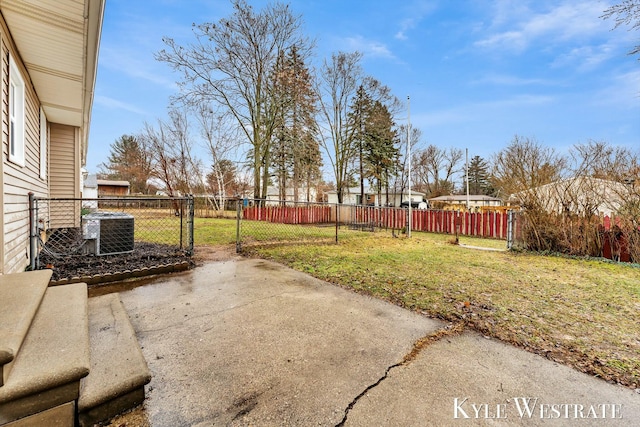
(467, 174)
(409, 158)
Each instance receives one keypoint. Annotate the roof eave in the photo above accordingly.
(58, 42)
(94, 13)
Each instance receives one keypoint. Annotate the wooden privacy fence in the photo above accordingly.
(613, 243)
(482, 224)
(289, 214)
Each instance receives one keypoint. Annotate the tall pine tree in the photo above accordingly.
(381, 152)
(359, 112)
(295, 149)
(479, 182)
(129, 160)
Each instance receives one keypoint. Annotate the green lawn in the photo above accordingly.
(583, 313)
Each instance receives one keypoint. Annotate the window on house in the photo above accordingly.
(16, 114)
(43, 144)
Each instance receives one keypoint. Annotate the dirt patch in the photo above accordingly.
(206, 253)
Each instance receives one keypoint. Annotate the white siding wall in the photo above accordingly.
(18, 181)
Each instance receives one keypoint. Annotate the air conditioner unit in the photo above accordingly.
(108, 233)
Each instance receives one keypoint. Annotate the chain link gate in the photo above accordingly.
(63, 228)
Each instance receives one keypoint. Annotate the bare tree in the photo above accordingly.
(525, 170)
(435, 169)
(170, 146)
(625, 13)
(220, 139)
(610, 178)
(164, 163)
(599, 159)
(402, 179)
(229, 65)
(338, 83)
(525, 164)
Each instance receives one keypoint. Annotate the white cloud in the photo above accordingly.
(130, 62)
(622, 92)
(515, 28)
(131, 41)
(505, 11)
(585, 58)
(369, 48)
(482, 110)
(516, 101)
(417, 12)
(507, 80)
(111, 103)
(406, 25)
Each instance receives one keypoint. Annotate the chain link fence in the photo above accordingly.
(90, 236)
(616, 238)
(263, 222)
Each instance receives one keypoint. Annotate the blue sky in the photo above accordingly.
(478, 72)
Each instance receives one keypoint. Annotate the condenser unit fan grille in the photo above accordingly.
(108, 232)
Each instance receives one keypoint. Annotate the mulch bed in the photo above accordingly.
(146, 259)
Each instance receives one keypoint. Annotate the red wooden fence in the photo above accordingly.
(481, 224)
(289, 214)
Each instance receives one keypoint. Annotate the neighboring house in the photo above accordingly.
(476, 202)
(48, 71)
(273, 195)
(582, 195)
(108, 187)
(90, 191)
(352, 196)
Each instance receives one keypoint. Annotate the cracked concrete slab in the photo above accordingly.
(251, 342)
(468, 380)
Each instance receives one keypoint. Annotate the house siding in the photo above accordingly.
(18, 181)
(64, 170)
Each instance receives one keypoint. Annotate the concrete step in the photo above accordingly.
(118, 370)
(53, 358)
(20, 297)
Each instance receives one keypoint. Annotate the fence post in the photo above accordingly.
(181, 208)
(238, 214)
(337, 220)
(190, 201)
(33, 233)
(509, 229)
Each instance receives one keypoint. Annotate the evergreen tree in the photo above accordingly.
(381, 147)
(375, 139)
(359, 112)
(229, 65)
(129, 160)
(295, 149)
(479, 177)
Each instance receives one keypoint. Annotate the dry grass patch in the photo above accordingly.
(582, 313)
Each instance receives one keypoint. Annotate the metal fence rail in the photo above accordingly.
(260, 223)
(612, 237)
(269, 222)
(62, 229)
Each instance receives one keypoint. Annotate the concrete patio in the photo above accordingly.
(250, 342)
